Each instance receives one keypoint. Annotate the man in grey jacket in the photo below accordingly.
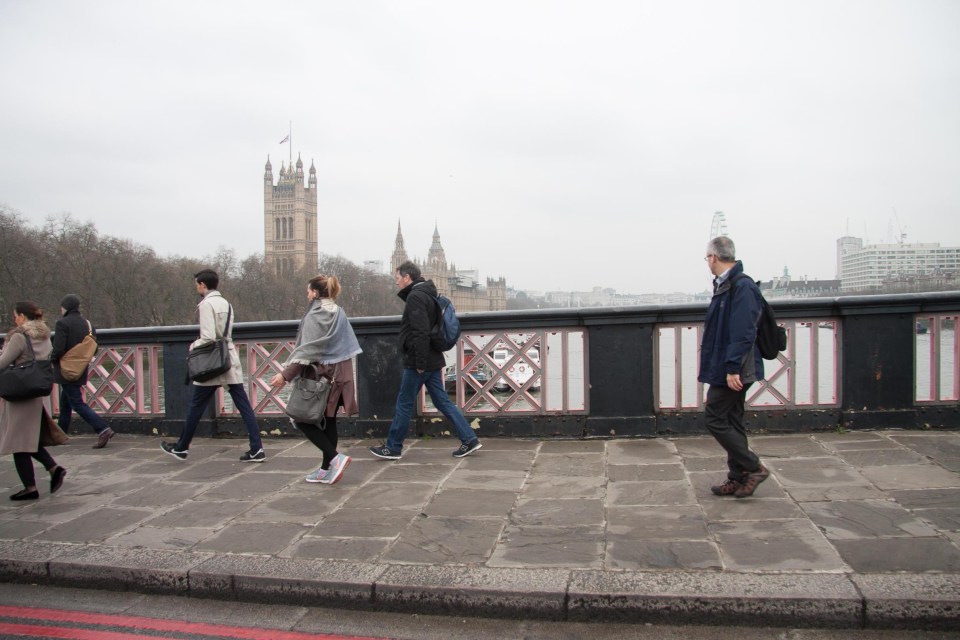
(216, 320)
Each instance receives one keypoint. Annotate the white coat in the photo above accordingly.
(212, 314)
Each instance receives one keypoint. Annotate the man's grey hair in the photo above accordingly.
(723, 248)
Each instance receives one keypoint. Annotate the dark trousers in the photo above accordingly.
(198, 404)
(323, 437)
(724, 419)
(24, 465)
(71, 399)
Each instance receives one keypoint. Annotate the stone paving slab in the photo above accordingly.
(637, 516)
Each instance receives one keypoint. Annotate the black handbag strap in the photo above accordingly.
(33, 355)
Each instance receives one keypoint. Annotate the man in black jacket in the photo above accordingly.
(70, 331)
(422, 365)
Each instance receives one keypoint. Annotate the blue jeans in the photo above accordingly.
(198, 404)
(71, 399)
(410, 386)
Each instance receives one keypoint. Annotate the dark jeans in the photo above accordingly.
(323, 438)
(724, 419)
(198, 404)
(24, 465)
(71, 399)
(410, 386)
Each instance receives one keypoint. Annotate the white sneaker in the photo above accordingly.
(336, 469)
(317, 476)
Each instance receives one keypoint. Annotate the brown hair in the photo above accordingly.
(30, 309)
(325, 286)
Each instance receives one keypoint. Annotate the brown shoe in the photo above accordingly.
(751, 482)
(104, 438)
(727, 488)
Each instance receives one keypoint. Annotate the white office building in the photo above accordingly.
(865, 267)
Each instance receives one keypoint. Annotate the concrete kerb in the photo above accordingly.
(792, 600)
(903, 601)
(910, 601)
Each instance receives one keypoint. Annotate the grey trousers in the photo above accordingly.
(724, 419)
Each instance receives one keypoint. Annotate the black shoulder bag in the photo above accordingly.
(27, 380)
(210, 360)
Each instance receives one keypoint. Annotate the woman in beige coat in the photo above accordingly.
(20, 421)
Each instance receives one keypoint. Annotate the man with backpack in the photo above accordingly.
(730, 362)
(423, 365)
(70, 331)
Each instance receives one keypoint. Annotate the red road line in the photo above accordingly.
(37, 631)
(154, 624)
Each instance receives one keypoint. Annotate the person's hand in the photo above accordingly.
(733, 381)
(420, 371)
(277, 380)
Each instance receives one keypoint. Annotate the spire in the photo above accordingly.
(399, 253)
(268, 172)
(436, 256)
(299, 164)
(313, 175)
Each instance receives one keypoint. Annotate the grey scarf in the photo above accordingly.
(324, 336)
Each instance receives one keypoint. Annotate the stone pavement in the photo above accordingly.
(858, 529)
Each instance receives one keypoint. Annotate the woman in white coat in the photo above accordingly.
(21, 420)
(216, 320)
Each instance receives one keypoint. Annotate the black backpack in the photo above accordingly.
(771, 337)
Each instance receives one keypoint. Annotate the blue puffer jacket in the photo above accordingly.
(732, 349)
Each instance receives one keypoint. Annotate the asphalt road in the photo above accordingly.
(54, 612)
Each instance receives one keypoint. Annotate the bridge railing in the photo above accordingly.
(851, 362)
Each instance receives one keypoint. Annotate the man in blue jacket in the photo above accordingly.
(730, 362)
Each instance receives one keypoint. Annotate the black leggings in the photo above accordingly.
(24, 465)
(324, 438)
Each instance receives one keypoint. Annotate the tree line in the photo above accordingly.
(126, 284)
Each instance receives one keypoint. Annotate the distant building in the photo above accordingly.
(373, 266)
(290, 218)
(462, 287)
(787, 287)
(874, 268)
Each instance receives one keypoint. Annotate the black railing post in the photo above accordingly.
(177, 392)
(621, 398)
(378, 379)
(877, 365)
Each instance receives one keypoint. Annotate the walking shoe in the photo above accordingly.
(171, 448)
(751, 482)
(56, 478)
(339, 463)
(316, 476)
(251, 456)
(384, 452)
(103, 438)
(23, 494)
(726, 488)
(467, 449)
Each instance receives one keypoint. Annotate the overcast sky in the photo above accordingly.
(563, 145)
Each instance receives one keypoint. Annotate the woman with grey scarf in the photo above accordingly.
(325, 339)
